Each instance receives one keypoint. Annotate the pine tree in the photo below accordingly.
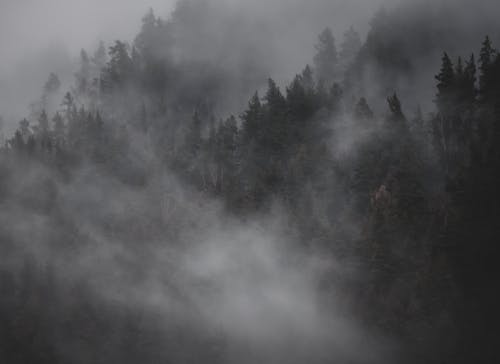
(274, 98)
(50, 90)
(350, 47)
(145, 40)
(486, 57)
(119, 70)
(469, 92)
(52, 85)
(68, 103)
(274, 128)
(59, 127)
(362, 111)
(307, 78)
(99, 59)
(326, 58)
(43, 123)
(300, 102)
(395, 108)
(83, 76)
(445, 98)
(252, 120)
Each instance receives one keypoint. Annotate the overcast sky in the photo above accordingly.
(30, 25)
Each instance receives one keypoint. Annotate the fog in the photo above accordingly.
(39, 37)
(326, 221)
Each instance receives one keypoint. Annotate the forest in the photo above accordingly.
(146, 218)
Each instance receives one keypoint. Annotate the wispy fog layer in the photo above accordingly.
(311, 227)
(39, 37)
(169, 252)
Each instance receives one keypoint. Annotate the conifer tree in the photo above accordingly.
(326, 58)
(486, 58)
(43, 123)
(350, 47)
(83, 76)
(59, 127)
(446, 86)
(252, 120)
(362, 111)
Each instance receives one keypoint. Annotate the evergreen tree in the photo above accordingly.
(252, 120)
(395, 108)
(68, 103)
(52, 85)
(83, 76)
(43, 123)
(100, 58)
(153, 45)
(307, 78)
(326, 59)
(486, 57)
(350, 47)
(50, 90)
(468, 87)
(362, 111)
(147, 38)
(445, 98)
(59, 127)
(227, 136)
(275, 130)
(300, 101)
(119, 69)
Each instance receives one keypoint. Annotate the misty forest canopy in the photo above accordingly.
(408, 200)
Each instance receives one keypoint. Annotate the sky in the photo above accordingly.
(36, 24)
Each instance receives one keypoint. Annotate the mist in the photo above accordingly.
(63, 29)
(248, 182)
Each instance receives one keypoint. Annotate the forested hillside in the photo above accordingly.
(141, 223)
